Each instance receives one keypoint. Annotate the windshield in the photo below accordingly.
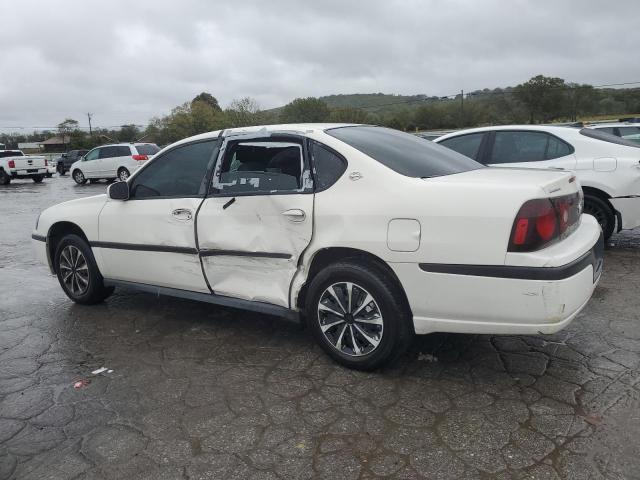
(147, 149)
(607, 137)
(404, 153)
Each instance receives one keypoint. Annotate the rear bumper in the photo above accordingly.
(629, 209)
(502, 299)
(27, 173)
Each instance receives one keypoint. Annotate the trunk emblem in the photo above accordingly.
(355, 176)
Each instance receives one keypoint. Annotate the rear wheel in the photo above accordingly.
(79, 178)
(78, 272)
(602, 212)
(4, 178)
(123, 174)
(60, 169)
(37, 178)
(357, 316)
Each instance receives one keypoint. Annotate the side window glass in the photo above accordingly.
(261, 166)
(609, 130)
(122, 151)
(108, 152)
(93, 154)
(556, 148)
(178, 173)
(513, 147)
(327, 166)
(630, 133)
(467, 145)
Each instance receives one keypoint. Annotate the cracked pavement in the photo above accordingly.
(205, 392)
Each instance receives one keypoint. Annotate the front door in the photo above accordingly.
(150, 238)
(91, 164)
(259, 219)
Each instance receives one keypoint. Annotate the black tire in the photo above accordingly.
(123, 174)
(393, 336)
(93, 180)
(60, 169)
(37, 178)
(603, 213)
(79, 177)
(4, 178)
(79, 276)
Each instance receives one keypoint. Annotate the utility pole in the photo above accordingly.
(461, 108)
(89, 115)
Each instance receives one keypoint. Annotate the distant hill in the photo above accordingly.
(371, 102)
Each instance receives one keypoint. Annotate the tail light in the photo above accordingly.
(140, 158)
(12, 164)
(46, 162)
(544, 221)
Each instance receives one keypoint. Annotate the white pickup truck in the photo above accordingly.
(15, 164)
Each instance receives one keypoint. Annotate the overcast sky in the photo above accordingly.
(126, 61)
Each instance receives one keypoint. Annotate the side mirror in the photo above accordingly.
(118, 191)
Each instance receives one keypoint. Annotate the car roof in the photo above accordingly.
(297, 128)
(612, 124)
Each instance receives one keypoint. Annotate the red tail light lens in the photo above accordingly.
(46, 162)
(12, 164)
(140, 158)
(543, 221)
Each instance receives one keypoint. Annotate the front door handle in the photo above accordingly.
(295, 215)
(182, 214)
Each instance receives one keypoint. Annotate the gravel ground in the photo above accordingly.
(202, 392)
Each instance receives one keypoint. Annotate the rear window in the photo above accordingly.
(605, 137)
(147, 149)
(11, 153)
(404, 153)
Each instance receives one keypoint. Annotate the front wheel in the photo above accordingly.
(603, 213)
(78, 272)
(357, 316)
(123, 174)
(79, 177)
(37, 178)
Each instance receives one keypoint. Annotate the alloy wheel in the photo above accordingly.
(350, 319)
(78, 176)
(123, 175)
(74, 270)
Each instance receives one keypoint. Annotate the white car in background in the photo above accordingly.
(607, 167)
(627, 131)
(367, 233)
(118, 160)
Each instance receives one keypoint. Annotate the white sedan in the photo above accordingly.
(608, 167)
(368, 234)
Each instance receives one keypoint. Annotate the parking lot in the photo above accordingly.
(203, 392)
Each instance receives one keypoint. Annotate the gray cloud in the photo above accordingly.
(128, 61)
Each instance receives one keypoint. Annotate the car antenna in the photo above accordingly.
(141, 138)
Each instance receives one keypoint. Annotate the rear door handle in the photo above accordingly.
(182, 214)
(555, 168)
(295, 215)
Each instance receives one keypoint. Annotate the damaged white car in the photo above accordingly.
(368, 234)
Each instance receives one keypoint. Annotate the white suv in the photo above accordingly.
(368, 234)
(608, 167)
(112, 161)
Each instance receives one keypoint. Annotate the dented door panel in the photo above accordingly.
(250, 249)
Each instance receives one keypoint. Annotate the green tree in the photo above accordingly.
(543, 96)
(65, 128)
(128, 133)
(242, 113)
(207, 98)
(305, 110)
